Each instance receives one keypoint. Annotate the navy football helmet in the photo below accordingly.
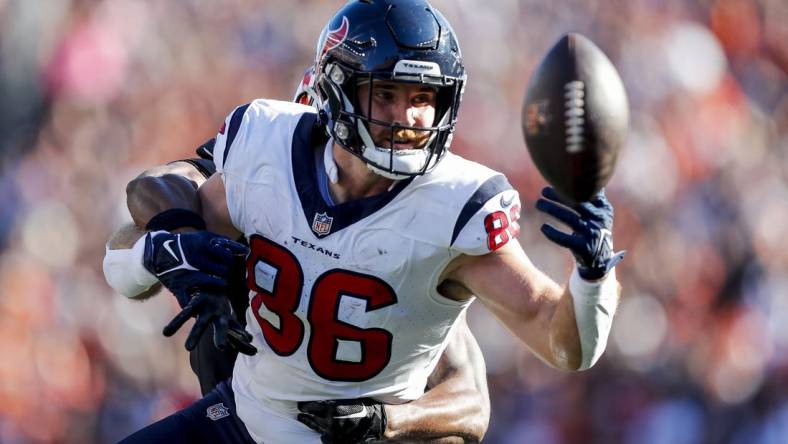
(394, 40)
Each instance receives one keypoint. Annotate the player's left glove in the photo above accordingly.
(344, 420)
(591, 240)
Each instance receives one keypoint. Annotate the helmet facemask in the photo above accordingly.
(351, 127)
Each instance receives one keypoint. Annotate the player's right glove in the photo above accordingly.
(591, 240)
(189, 262)
(343, 421)
(200, 268)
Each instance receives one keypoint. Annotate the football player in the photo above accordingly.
(457, 402)
(368, 241)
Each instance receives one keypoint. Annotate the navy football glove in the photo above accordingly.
(344, 420)
(591, 241)
(188, 262)
(205, 265)
(214, 310)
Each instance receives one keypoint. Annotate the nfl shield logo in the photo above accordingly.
(217, 412)
(321, 225)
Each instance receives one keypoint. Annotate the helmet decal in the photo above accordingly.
(335, 37)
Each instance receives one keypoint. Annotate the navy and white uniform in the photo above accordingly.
(343, 298)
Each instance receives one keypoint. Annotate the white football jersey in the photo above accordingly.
(343, 299)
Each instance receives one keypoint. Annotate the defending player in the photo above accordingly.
(348, 233)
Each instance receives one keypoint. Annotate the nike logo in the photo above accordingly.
(606, 240)
(167, 247)
(360, 414)
(506, 202)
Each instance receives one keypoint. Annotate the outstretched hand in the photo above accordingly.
(591, 239)
(214, 310)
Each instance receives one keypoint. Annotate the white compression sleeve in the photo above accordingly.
(595, 304)
(124, 271)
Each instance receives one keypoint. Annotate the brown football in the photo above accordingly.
(575, 117)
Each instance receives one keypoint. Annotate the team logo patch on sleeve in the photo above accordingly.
(217, 411)
(321, 224)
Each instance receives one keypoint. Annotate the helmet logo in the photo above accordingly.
(335, 37)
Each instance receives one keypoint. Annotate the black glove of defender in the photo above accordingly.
(344, 420)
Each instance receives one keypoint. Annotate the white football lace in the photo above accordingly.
(575, 115)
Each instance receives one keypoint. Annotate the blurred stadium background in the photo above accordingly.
(92, 92)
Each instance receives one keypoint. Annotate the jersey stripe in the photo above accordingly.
(485, 192)
(235, 124)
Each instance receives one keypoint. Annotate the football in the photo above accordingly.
(575, 117)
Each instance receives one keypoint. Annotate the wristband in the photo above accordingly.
(595, 303)
(124, 271)
(174, 218)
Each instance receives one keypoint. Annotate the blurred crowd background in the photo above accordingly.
(92, 92)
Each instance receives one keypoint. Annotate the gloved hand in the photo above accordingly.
(205, 265)
(344, 420)
(214, 310)
(187, 262)
(591, 240)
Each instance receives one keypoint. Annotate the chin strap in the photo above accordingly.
(386, 174)
(409, 161)
(329, 162)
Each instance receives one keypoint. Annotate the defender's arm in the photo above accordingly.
(198, 268)
(160, 188)
(456, 406)
(214, 208)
